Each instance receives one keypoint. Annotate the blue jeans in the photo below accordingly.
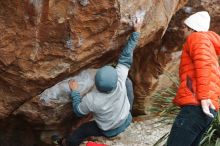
(189, 126)
(130, 92)
(91, 128)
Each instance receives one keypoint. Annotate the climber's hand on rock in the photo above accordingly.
(206, 105)
(73, 84)
(138, 24)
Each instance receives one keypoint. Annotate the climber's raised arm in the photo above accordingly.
(126, 56)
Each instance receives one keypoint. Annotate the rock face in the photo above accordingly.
(43, 42)
(163, 56)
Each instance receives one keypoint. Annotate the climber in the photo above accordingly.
(199, 82)
(111, 103)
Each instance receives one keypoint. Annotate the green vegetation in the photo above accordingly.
(212, 136)
(163, 105)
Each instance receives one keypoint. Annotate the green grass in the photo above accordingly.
(212, 135)
(162, 104)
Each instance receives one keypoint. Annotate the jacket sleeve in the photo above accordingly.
(126, 56)
(80, 108)
(201, 57)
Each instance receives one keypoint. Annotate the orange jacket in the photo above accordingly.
(199, 70)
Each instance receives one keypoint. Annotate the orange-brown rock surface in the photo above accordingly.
(43, 42)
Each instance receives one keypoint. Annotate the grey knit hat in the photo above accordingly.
(106, 79)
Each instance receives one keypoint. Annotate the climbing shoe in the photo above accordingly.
(57, 139)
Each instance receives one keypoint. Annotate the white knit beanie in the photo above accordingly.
(199, 21)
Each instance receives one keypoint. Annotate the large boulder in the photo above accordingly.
(43, 42)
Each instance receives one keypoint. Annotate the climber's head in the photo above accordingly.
(106, 79)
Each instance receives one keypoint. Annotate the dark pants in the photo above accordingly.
(91, 128)
(189, 126)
